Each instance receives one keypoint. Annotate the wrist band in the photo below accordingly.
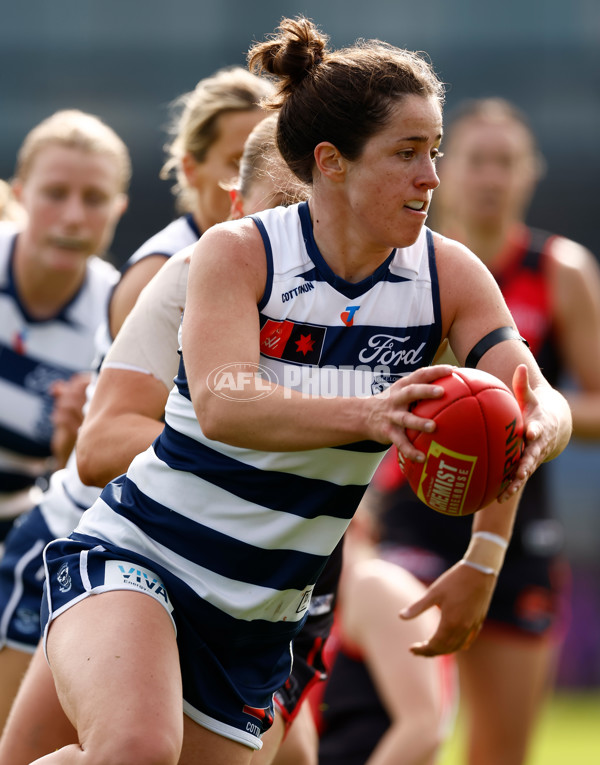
(485, 552)
(479, 567)
(495, 538)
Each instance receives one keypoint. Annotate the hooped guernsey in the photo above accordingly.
(34, 354)
(249, 531)
(149, 346)
(68, 497)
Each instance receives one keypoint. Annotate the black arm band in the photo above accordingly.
(489, 341)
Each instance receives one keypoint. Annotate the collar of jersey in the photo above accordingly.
(349, 289)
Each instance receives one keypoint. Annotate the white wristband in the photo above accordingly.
(495, 538)
(479, 567)
(486, 552)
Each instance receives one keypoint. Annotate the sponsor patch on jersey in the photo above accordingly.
(288, 340)
(347, 316)
(120, 572)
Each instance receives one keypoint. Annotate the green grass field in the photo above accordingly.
(568, 733)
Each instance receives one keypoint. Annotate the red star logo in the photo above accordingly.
(305, 344)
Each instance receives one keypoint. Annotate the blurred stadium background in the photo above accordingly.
(126, 60)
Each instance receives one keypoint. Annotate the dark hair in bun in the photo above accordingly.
(342, 96)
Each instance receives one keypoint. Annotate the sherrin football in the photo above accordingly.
(473, 452)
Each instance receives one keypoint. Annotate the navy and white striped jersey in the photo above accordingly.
(249, 531)
(174, 237)
(67, 497)
(33, 355)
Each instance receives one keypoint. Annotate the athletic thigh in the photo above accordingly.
(37, 723)
(301, 744)
(504, 681)
(202, 746)
(116, 667)
(228, 677)
(13, 665)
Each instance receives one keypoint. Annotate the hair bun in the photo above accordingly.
(291, 53)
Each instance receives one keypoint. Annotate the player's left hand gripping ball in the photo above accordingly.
(472, 455)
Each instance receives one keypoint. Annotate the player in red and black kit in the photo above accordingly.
(552, 287)
(381, 702)
(527, 594)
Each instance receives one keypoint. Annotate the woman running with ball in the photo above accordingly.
(202, 559)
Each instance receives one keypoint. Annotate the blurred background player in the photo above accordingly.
(381, 704)
(71, 180)
(210, 126)
(488, 175)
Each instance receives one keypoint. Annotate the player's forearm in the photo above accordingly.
(63, 441)
(490, 537)
(103, 452)
(585, 410)
(497, 518)
(264, 416)
(284, 420)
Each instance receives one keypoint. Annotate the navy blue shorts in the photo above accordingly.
(6, 525)
(22, 582)
(229, 677)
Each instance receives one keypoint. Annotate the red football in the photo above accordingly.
(472, 454)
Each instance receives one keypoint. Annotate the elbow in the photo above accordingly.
(212, 423)
(89, 475)
(85, 467)
(213, 415)
(89, 466)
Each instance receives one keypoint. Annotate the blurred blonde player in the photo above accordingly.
(71, 181)
(208, 130)
(70, 189)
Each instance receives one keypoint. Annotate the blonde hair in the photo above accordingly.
(74, 129)
(10, 209)
(195, 118)
(262, 159)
